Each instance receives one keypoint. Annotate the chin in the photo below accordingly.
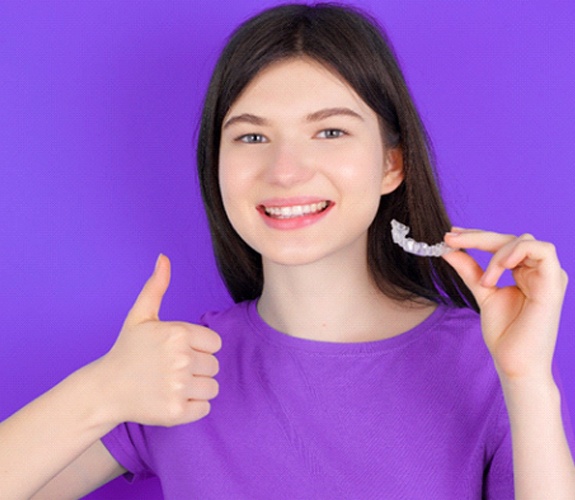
(297, 257)
(290, 261)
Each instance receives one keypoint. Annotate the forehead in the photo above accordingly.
(296, 86)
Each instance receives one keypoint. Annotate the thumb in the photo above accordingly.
(147, 305)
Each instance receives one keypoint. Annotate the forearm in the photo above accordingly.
(45, 436)
(543, 465)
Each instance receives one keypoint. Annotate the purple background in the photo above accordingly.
(98, 112)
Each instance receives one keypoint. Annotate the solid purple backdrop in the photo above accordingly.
(98, 112)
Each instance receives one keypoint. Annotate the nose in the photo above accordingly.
(288, 166)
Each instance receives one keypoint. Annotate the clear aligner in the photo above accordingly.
(399, 234)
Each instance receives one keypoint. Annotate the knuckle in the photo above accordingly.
(217, 342)
(527, 236)
(215, 389)
(211, 338)
(176, 387)
(201, 409)
(173, 336)
(174, 411)
(216, 365)
(179, 332)
(194, 358)
(552, 248)
(207, 388)
(180, 361)
(206, 364)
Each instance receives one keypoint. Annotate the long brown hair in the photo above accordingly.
(355, 46)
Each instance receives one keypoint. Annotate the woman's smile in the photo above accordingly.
(291, 211)
(294, 216)
(303, 165)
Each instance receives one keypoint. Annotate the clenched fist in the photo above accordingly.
(160, 373)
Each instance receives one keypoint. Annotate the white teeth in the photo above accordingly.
(295, 210)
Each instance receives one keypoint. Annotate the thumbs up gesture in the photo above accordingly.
(161, 373)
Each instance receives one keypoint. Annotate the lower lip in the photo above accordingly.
(294, 222)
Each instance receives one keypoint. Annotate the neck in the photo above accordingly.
(333, 300)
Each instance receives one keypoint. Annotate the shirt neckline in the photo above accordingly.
(281, 339)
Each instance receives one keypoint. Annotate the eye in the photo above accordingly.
(332, 133)
(252, 138)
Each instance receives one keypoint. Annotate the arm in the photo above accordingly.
(52, 431)
(92, 469)
(543, 466)
(520, 325)
(157, 373)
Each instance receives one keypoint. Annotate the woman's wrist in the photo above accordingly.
(95, 396)
(530, 391)
(540, 381)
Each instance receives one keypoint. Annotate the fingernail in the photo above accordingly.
(485, 280)
(449, 250)
(157, 262)
(452, 234)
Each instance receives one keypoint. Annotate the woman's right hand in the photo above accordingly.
(157, 373)
(160, 373)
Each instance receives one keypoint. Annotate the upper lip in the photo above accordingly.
(292, 201)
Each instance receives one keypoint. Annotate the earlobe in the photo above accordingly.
(393, 175)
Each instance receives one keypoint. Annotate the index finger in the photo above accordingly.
(487, 241)
(204, 339)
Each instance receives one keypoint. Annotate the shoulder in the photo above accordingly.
(227, 316)
(458, 318)
(233, 324)
(458, 367)
(456, 342)
(457, 325)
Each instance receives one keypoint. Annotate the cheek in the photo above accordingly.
(363, 172)
(228, 188)
(230, 179)
(224, 171)
(237, 172)
(234, 187)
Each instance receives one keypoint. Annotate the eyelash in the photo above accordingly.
(243, 138)
(340, 132)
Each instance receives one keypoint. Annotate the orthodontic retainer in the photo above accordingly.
(399, 234)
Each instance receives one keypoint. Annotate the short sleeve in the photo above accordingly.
(127, 443)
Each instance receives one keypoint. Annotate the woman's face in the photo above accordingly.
(303, 165)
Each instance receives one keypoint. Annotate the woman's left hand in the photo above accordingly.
(519, 322)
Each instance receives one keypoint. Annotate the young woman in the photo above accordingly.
(348, 368)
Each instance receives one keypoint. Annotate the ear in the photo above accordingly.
(393, 174)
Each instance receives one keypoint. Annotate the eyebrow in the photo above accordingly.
(316, 116)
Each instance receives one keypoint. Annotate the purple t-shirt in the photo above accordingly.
(419, 416)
